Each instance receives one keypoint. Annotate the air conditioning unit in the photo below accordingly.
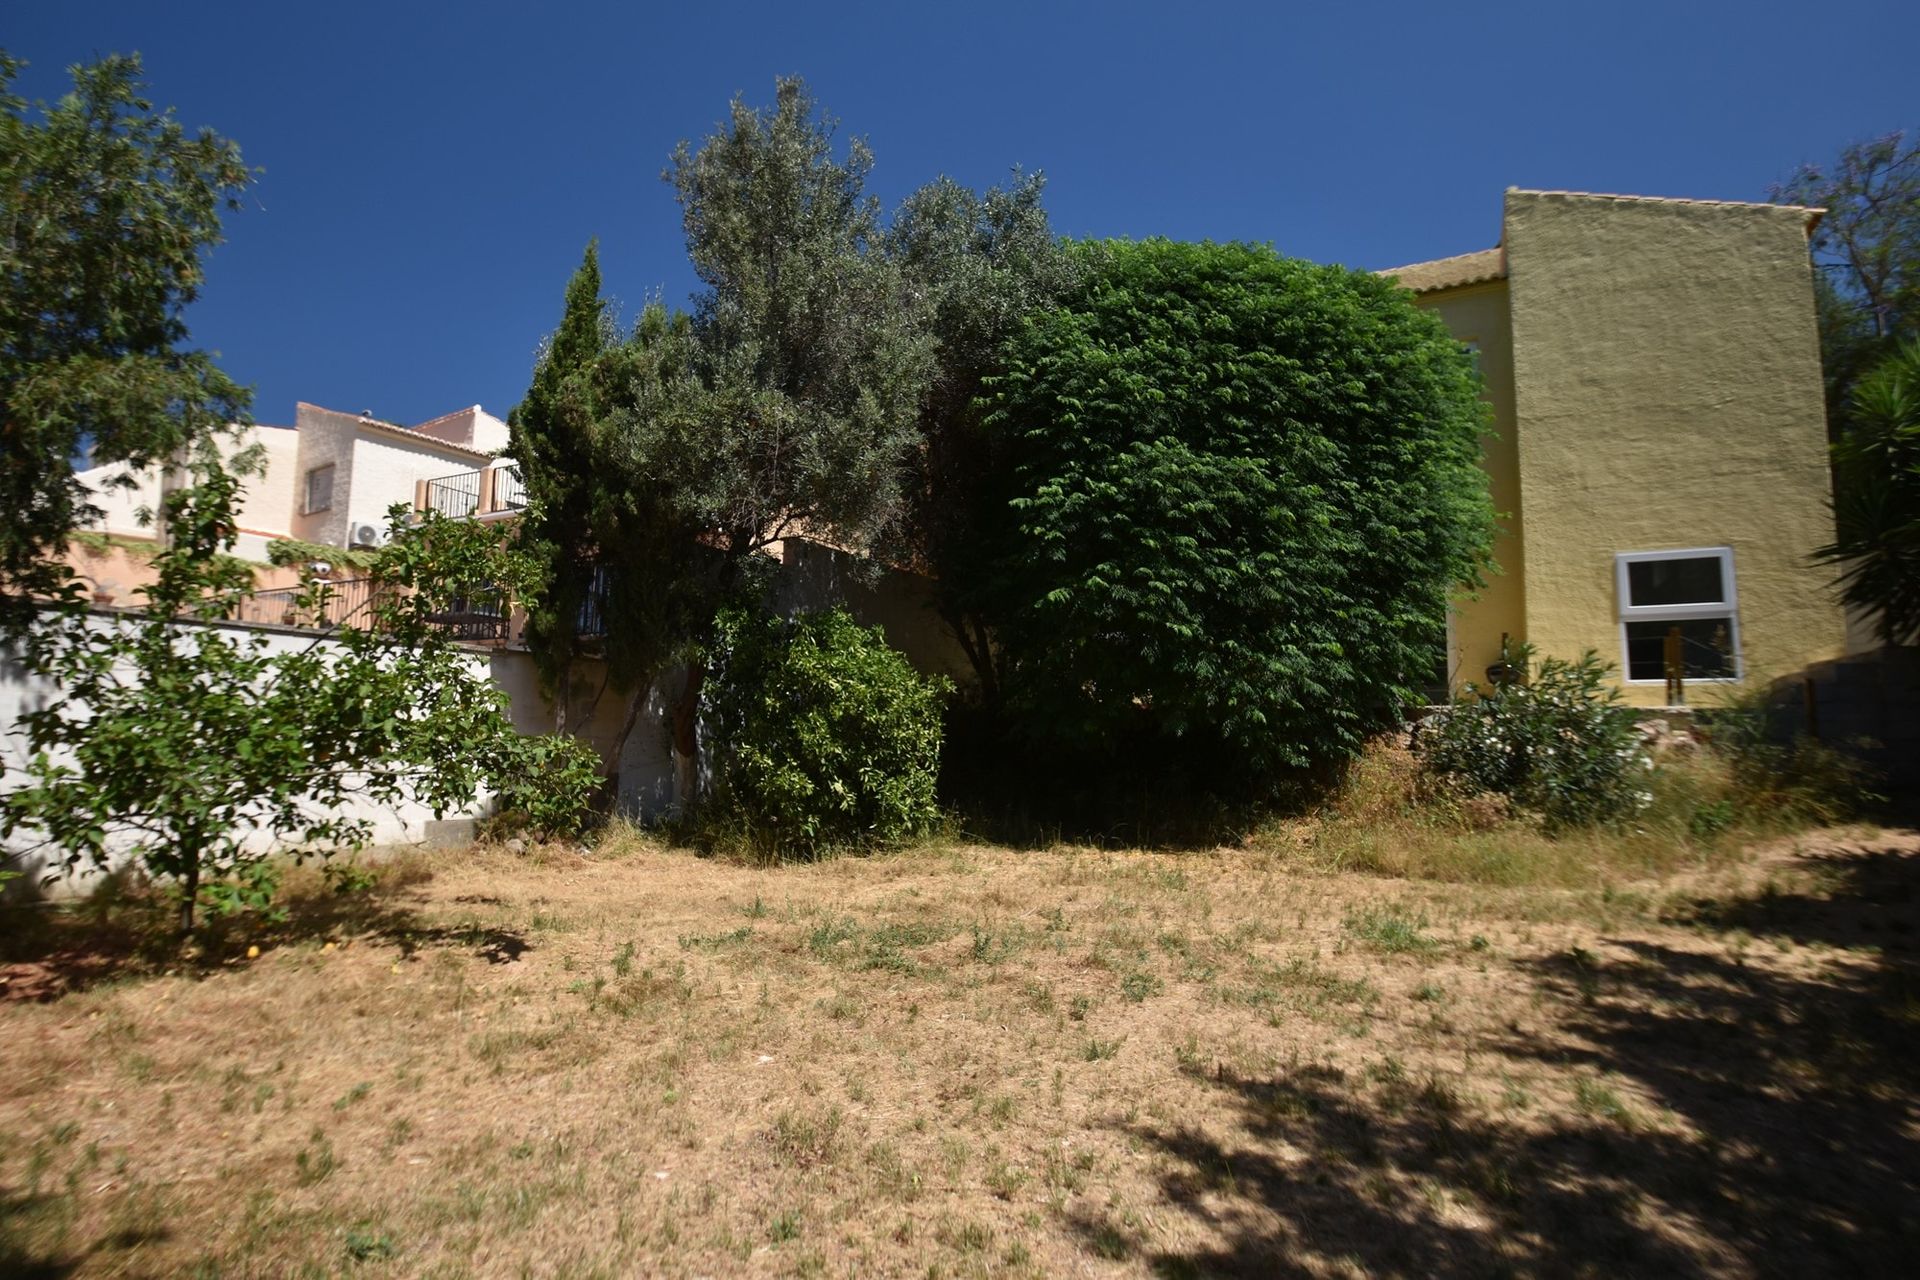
(367, 535)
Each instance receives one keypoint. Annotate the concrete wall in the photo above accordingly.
(1478, 314)
(120, 506)
(326, 438)
(384, 471)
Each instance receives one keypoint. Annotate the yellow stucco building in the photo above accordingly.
(1659, 451)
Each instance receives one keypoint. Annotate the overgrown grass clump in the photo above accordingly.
(1702, 804)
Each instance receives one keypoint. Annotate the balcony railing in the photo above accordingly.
(480, 617)
(509, 490)
(344, 601)
(456, 495)
(489, 491)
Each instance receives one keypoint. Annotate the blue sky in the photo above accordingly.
(432, 172)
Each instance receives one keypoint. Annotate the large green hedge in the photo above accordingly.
(1237, 491)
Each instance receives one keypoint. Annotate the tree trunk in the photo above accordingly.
(686, 734)
(190, 892)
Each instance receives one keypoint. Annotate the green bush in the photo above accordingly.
(549, 781)
(823, 735)
(1235, 493)
(1557, 741)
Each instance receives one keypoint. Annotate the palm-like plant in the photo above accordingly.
(1877, 498)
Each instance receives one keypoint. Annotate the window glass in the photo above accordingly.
(1706, 648)
(1690, 581)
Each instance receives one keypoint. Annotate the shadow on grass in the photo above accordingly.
(19, 1260)
(1794, 1089)
(49, 950)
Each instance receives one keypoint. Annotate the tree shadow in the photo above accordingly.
(50, 950)
(1783, 1140)
(18, 1258)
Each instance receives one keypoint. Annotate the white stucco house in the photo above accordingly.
(330, 477)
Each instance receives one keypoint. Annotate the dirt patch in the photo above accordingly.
(965, 1061)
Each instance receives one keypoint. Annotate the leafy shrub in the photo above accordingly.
(1557, 741)
(1234, 494)
(549, 780)
(823, 734)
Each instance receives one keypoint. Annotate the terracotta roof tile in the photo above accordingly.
(1451, 273)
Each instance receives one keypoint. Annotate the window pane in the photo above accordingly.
(1690, 581)
(1706, 648)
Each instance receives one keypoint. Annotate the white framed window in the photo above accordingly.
(1690, 591)
(320, 489)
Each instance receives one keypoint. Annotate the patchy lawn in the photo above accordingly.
(971, 1061)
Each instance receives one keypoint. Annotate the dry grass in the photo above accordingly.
(968, 1061)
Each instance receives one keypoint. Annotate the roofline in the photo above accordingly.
(1811, 214)
(414, 437)
(455, 414)
(404, 433)
(1490, 267)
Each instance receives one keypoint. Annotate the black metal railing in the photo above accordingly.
(455, 495)
(509, 489)
(481, 616)
(340, 602)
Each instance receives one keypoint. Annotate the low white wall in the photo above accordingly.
(21, 692)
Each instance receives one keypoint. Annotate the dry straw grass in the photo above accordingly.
(1604, 1058)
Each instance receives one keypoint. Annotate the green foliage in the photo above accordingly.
(294, 552)
(825, 736)
(1876, 547)
(984, 262)
(1559, 742)
(1867, 249)
(109, 208)
(552, 438)
(549, 781)
(811, 349)
(1239, 491)
(786, 402)
(174, 742)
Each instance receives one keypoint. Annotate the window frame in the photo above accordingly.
(306, 498)
(1728, 608)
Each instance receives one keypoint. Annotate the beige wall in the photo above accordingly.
(326, 437)
(472, 428)
(271, 498)
(1667, 395)
(374, 466)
